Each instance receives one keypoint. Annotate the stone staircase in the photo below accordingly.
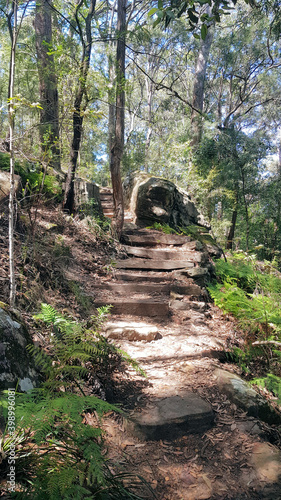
(106, 198)
(158, 276)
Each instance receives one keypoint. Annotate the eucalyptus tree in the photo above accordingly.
(117, 148)
(48, 90)
(80, 102)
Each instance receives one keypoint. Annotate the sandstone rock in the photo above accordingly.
(173, 417)
(246, 397)
(154, 199)
(16, 364)
(266, 459)
(5, 184)
(87, 197)
(133, 331)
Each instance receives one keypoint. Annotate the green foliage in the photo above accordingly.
(77, 349)
(65, 453)
(33, 179)
(271, 382)
(251, 291)
(165, 228)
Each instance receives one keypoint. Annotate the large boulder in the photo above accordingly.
(153, 199)
(5, 185)
(87, 197)
(17, 367)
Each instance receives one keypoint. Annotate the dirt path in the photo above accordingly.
(180, 344)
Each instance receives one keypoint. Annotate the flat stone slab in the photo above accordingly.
(174, 416)
(156, 239)
(142, 276)
(136, 307)
(188, 289)
(133, 331)
(178, 305)
(125, 288)
(161, 254)
(166, 265)
(246, 397)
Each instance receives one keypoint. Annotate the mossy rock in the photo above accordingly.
(202, 234)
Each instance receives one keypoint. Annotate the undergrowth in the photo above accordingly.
(59, 438)
(251, 292)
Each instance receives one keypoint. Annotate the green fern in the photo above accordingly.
(272, 383)
(251, 292)
(67, 456)
(76, 350)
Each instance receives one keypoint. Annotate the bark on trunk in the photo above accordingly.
(199, 85)
(13, 36)
(230, 238)
(49, 115)
(79, 108)
(118, 145)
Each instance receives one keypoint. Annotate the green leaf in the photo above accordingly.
(152, 11)
(204, 31)
(192, 17)
(160, 4)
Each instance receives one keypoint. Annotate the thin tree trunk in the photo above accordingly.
(111, 104)
(69, 201)
(149, 120)
(49, 115)
(111, 77)
(230, 238)
(246, 208)
(118, 145)
(11, 113)
(199, 85)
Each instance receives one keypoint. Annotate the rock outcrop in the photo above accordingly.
(5, 184)
(17, 367)
(87, 197)
(153, 199)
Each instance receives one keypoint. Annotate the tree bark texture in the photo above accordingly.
(199, 85)
(230, 238)
(49, 115)
(11, 114)
(79, 107)
(118, 144)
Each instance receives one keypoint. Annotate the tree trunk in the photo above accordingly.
(149, 91)
(49, 115)
(230, 238)
(79, 108)
(118, 145)
(199, 85)
(11, 114)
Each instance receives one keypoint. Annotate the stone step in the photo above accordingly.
(105, 190)
(132, 331)
(107, 203)
(126, 288)
(155, 239)
(155, 253)
(178, 305)
(166, 265)
(108, 210)
(156, 277)
(106, 194)
(173, 417)
(136, 307)
(161, 288)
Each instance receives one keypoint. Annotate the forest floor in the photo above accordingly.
(237, 458)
